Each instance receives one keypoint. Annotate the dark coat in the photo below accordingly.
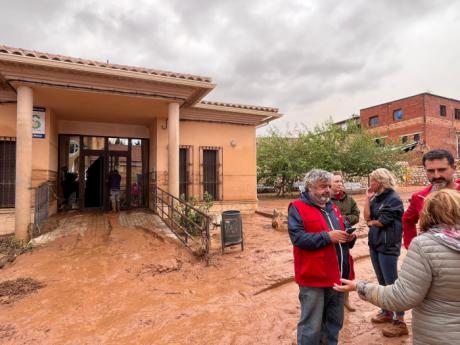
(388, 209)
(348, 208)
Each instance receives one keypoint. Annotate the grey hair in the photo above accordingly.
(384, 177)
(315, 175)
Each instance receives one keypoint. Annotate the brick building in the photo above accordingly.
(432, 121)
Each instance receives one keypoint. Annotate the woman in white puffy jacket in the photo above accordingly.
(429, 280)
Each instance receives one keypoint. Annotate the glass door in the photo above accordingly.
(94, 180)
(117, 165)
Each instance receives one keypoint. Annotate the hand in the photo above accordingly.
(351, 237)
(348, 285)
(338, 236)
(370, 194)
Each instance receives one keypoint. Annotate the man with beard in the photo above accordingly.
(316, 229)
(440, 169)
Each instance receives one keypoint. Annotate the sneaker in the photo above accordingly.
(397, 329)
(382, 318)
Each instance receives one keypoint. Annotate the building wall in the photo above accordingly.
(44, 159)
(421, 114)
(239, 161)
(442, 131)
(103, 129)
(412, 121)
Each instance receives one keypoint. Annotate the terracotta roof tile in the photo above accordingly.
(46, 56)
(241, 106)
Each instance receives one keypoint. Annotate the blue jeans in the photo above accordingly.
(321, 316)
(386, 270)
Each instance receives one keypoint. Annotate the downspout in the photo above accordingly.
(424, 121)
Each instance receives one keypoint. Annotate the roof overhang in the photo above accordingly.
(19, 67)
(230, 113)
(89, 90)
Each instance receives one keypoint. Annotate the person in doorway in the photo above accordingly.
(135, 194)
(383, 210)
(440, 169)
(429, 277)
(65, 186)
(114, 183)
(316, 229)
(350, 212)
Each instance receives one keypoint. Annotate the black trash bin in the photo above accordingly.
(231, 229)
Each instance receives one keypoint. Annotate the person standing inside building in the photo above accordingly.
(440, 170)
(350, 212)
(114, 183)
(383, 210)
(429, 276)
(316, 229)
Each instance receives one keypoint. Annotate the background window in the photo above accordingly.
(457, 114)
(442, 110)
(373, 121)
(417, 137)
(404, 139)
(398, 115)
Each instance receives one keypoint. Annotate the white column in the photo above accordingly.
(173, 149)
(23, 161)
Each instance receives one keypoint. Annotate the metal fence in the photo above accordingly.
(42, 200)
(189, 224)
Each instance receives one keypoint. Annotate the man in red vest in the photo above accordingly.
(321, 258)
(440, 169)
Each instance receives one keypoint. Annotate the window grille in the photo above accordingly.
(7, 171)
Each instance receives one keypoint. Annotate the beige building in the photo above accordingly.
(70, 122)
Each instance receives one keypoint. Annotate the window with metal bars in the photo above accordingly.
(211, 171)
(7, 171)
(185, 171)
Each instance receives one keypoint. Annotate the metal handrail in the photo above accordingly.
(176, 213)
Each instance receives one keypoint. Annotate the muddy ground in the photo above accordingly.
(116, 283)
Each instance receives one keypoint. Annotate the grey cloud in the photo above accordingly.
(289, 54)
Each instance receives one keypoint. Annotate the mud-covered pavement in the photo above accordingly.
(118, 283)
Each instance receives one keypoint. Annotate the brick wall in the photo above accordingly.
(421, 114)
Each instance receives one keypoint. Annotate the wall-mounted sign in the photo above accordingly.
(38, 122)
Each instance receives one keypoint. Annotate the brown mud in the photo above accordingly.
(116, 283)
(13, 290)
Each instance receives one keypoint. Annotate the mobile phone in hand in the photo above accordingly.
(349, 231)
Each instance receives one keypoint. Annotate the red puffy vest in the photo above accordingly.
(320, 267)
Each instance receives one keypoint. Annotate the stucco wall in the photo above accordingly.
(103, 129)
(239, 161)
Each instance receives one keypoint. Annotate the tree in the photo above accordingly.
(283, 158)
(278, 161)
(352, 150)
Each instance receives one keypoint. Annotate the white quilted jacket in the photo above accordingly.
(429, 282)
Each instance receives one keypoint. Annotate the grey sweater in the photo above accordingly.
(429, 282)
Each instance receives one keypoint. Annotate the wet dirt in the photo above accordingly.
(13, 290)
(116, 283)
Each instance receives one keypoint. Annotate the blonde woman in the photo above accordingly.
(429, 279)
(383, 212)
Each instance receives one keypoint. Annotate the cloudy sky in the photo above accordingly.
(313, 59)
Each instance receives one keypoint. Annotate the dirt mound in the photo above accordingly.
(13, 290)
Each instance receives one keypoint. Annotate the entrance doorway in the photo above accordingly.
(86, 164)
